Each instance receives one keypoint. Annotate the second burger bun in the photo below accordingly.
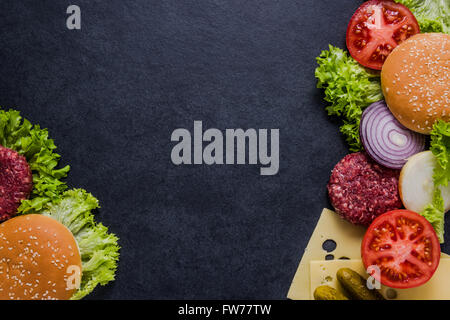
(416, 82)
(38, 258)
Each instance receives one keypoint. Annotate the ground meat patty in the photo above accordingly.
(16, 182)
(360, 189)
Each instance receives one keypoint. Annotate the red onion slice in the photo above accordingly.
(385, 139)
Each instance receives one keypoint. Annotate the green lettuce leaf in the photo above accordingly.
(34, 144)
(432, 15)
(440, 147)
(99, 249)
(435, 214)
(349, 88)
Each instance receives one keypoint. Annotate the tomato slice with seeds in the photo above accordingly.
(376, 28)
(405, 248)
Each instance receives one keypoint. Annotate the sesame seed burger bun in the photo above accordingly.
(35, 253)
(415, 81)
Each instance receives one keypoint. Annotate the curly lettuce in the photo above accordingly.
(99, 249)
(440, 147)
(432, 15)
(349, 88)
(435, 214)
(34, 144)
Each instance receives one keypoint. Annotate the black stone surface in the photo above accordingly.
(112, 93)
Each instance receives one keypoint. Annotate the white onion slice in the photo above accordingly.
(416, 183)
(385, 139)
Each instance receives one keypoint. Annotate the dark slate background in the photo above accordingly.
(112, 93)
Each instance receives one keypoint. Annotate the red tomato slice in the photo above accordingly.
(405, 248)
(376, 28)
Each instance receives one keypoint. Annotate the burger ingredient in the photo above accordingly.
(404, 246)
(39, 259)
(348, 244)
(99, 249)
(324, 273)
(313, 270)
(418, 191)
(385, 140)
(434, 212)
(416, 183)
(328, 293)
(440, 147)
(356, 286)
(376, 28)
(415, 79)
(349, 88)
(360, 189)
(432, 15)
(33, 143)
(15, 182)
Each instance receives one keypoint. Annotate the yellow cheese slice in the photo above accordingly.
(437, 288)
(330, 226)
